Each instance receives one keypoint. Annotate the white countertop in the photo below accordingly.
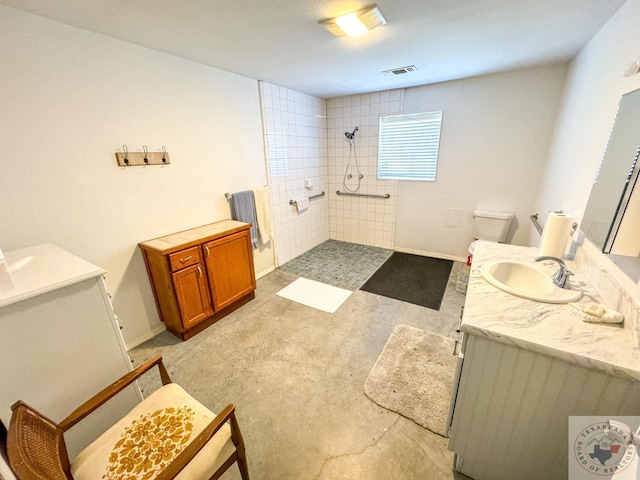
(551, 329)
(32, 271)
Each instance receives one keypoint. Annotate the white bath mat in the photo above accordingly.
(315, 294)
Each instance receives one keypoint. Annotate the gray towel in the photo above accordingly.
(243, 209)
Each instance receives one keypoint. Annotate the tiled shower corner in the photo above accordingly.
(341, 264)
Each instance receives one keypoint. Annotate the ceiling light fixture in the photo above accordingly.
(355, 23)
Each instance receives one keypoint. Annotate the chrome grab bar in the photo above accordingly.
(534, 219)
(370, 195)
(322, 194)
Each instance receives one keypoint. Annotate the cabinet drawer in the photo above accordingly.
(184, 258)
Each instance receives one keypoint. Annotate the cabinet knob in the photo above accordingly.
(186, 259)
(199, 270)
(206, 250)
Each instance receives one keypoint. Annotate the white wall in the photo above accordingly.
(295, 129)
(495, 136)
(588, 108)
(70, 99)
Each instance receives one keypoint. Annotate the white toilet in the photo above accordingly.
(490, 225)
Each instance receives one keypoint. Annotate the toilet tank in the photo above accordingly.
(491, 225)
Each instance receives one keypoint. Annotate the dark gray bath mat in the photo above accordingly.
(412, 279)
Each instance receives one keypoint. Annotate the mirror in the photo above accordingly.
(612, 215)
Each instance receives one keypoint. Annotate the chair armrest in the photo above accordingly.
(192, 449)
(116, 387)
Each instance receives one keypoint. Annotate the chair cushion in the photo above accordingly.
(141, 444)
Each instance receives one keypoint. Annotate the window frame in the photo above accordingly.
(398, 164)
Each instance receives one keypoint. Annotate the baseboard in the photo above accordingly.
(147, 336)
(264, 272)
(161, 328)
(431, 254)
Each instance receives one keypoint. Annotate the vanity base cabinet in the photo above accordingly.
(510, 418)
(200, 275)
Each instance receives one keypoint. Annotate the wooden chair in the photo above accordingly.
(168, 435)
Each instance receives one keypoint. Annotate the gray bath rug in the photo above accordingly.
(413, 376)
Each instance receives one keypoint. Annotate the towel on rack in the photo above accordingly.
(302, 203)
(243, 209)
(262, 198)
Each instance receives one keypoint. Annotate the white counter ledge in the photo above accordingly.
(33, 271)
(551, 329)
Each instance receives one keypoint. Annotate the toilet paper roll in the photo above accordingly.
(555, 234)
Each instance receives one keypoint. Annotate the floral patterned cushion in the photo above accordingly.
(144, 442)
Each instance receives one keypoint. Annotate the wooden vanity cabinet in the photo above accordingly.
(200, 275)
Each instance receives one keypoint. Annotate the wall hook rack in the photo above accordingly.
(143, 158)
(125, 158)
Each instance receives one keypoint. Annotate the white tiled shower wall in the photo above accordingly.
(295, 134)
(363, 220)
(304, 139)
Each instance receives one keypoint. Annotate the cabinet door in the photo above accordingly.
(230, 271)
(192, 295)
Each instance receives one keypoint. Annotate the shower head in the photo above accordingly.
(351, 135)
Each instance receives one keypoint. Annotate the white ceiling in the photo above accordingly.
(281, 42)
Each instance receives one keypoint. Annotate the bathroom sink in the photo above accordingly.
(527, 280)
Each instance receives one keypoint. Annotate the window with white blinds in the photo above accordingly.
(408, 146)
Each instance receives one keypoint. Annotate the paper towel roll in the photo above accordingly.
(555, 234)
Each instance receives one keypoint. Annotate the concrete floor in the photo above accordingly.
(296, 376)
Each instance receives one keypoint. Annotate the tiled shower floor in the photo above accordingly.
(341, 264)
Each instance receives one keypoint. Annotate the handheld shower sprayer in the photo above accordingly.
(351, 135)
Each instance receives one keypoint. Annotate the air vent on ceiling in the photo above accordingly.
(400, 70)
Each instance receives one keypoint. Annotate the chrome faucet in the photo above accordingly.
(560, 276)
